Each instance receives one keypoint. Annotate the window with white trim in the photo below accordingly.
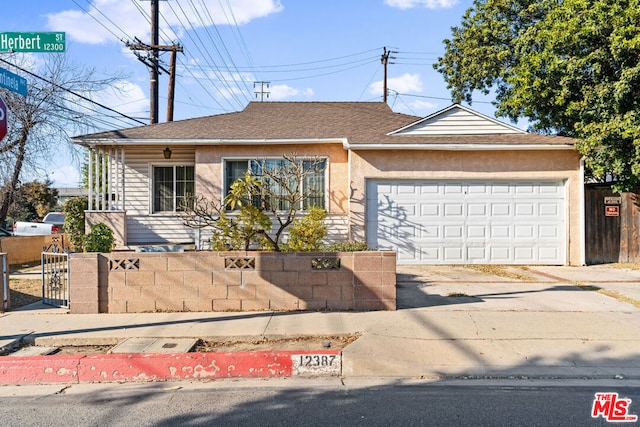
(313, 184)
(172, 186)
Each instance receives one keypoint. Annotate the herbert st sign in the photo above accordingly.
(32, 42)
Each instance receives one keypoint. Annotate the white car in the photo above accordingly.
(22, 228)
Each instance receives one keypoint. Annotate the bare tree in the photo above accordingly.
(39, 124)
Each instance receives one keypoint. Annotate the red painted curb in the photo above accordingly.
(166, 367)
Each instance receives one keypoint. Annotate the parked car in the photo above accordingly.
(56, 218)
(22, 228)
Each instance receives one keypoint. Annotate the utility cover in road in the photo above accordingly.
(32, 42)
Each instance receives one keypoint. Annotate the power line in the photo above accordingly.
(71, 92)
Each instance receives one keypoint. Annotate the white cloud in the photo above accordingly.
(125, 19)
(422, 106)
(278, 92)
(429, 4)
(406, 83)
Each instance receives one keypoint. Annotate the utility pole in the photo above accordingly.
(261, 92)
(386, 55)
(154, 73)
(152, 60)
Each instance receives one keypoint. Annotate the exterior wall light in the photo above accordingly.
(167, 153)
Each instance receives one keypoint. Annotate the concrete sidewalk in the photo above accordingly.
(451, 322)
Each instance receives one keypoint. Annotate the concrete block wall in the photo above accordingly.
(28, 249)
(129, 282)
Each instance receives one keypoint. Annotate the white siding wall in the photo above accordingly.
(143, 226)
(458, 122)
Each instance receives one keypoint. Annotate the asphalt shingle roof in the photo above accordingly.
(358, 122)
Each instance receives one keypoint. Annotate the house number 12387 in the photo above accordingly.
(317, 360)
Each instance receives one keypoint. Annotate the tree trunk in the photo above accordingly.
(15, 179)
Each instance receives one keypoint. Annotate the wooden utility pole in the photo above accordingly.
(155, 59)
(152, 60)
(386, 55)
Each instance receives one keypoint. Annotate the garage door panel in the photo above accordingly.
(477, 209)
(500, 231)
(430, 210)
(477, 232)
(500, 254)
(476, 254)
(526, 209)
(453, 254)
(551, 210)
(430, 232)
(549, 232)
(524, 232)
(501, 209)
(517, 222)
(453, 210)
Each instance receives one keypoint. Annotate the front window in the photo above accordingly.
(312, 186)
(172, 186)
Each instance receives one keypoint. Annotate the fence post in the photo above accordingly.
(4, 283)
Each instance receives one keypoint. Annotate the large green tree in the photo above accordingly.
(572, 67)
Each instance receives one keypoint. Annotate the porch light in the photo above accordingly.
(167, 153)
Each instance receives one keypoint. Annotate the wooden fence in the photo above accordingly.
(612, 226)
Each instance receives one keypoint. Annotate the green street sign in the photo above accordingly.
(51, 42)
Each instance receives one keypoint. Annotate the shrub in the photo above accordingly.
(243, 232)
(306, 233)
(346, 247)
(74, 221)
(99, 239)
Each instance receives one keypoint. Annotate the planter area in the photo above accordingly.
(131, 282)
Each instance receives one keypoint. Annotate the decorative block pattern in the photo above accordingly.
(240, 263)
(124, 264)
(322, 263)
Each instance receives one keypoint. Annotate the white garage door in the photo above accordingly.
(456, 222)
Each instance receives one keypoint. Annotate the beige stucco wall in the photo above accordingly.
(210, 172)
(115, 220)
(480, 165)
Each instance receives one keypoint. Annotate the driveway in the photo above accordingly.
(533, 288)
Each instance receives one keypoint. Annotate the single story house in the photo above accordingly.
(454, 187)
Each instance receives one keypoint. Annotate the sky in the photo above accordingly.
(306, 50)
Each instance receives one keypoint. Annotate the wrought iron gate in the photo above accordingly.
(55, 275)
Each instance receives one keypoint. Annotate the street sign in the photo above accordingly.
(13, 82)
(32, 42)
(3, 119)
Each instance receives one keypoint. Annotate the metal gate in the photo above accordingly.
(55, 275)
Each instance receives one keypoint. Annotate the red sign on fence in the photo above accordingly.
(612, 211)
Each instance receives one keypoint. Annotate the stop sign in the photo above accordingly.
(3, 119)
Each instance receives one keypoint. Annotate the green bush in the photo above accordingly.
(74, 221)
(99, 239)
(347, 247)
(241, 232)
(306, 233)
